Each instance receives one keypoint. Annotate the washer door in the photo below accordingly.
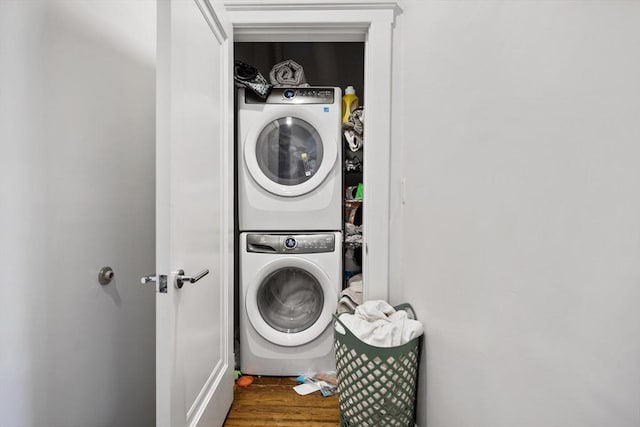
(290, 301)
(288, 156)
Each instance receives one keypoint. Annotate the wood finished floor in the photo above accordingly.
(272, 402)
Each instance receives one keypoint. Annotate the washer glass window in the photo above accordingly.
(290, 300)
(289, 151)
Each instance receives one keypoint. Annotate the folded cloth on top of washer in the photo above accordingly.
(288, 73)
(248, 76)
(377, 323)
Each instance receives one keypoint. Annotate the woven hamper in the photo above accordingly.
(376, 385)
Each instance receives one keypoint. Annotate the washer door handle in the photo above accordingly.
(181, 278)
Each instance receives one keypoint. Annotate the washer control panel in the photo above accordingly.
(293, 95)
(291, 243)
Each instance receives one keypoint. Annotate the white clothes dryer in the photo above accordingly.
(289, 287)
(290, 160)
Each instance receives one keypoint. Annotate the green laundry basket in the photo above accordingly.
(376, 385)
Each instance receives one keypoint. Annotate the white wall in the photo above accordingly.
(517, 128)
(77, 106)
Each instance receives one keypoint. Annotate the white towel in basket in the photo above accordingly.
(377, 323)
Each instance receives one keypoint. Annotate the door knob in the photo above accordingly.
(105, 276)
(181, 278)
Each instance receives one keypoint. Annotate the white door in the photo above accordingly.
(194, 219)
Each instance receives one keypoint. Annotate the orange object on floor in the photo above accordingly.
(245, 381)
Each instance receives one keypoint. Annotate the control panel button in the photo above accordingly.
(290, 243)
(289, 93)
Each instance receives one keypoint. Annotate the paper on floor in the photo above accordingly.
(307, 388)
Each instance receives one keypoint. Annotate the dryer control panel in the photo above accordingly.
(294, 95)
(290, 243)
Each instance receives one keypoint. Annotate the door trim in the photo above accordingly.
(370, 22)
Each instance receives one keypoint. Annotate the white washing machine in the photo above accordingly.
(290, 160)
(289, 287)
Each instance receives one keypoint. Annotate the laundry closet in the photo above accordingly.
(324, 64)
(299, 184)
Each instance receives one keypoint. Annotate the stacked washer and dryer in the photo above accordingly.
(290, 221)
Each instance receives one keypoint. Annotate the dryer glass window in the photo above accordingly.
(289, 151)
(290, 300)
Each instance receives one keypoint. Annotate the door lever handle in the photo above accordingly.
(181, 278)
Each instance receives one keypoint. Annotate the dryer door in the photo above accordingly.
(290, 301)
(289, 156)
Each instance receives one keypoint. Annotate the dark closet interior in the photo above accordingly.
(324, 63)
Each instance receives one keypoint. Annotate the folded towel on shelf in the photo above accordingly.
(346, 303)
(377, 323)
(351, 296)
(355, 283)
(287, 73)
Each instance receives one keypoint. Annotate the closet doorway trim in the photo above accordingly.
(370, 22)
